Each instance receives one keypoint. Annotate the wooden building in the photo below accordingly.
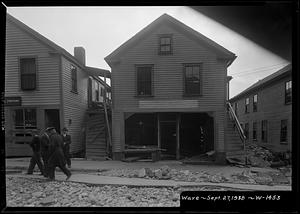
(265, 110)
(169, 91)
(45, 86)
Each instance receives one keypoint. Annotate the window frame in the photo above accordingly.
(254, 130)
(161, 36)
(200, 65)
(265, 135)
(287, 102)
(254, 107)
(24, 126)
(137, 66)
(74, 81)
(247, 105)
(20, 72)
(286, 132)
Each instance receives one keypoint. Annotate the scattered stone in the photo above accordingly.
(48, 200)
(37, 194)
(158, 173)
(142, 173)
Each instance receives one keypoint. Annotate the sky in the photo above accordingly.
(101, 30)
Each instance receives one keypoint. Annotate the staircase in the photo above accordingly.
(235, 138)
(96, 134)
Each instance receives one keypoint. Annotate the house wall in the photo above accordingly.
(168, 85)
(74, 104)
(271, 107)
(47, 95)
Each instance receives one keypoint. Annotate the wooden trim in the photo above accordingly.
(61, 108)
(178, 117)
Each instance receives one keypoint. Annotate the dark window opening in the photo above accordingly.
(236, 108)
(165, 45)
(254, 131)
(28, 73)
(247, 101)
(144, 80)
(288, 92)
(246, 132)
(283, 131)
(255, 103)
(192, 75)
(74, 79)
(264, 129)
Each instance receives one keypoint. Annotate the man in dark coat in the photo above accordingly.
(45, 150)
(36, 154)
(57, 158)
(66, 147)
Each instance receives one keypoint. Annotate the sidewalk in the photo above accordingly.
(141, 182)
(79, 167)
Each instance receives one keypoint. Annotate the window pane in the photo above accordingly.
(30, 118)
(144, 80)
(28, 66)
(19, 118)
(255, 98)
(188, 72)
(28, 81)
(167, 48)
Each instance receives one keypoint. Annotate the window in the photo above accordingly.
(288, 92)
(101, 92)
(144, 80)
(165, 45)
(25, 119)
(74, 79)
(235, 108)
(254, 131)
(246, 130)
(264, 128)
(192, 77)
(28, 73)
(255, 103)
(97, 94)
(283, 131)
(247, 101)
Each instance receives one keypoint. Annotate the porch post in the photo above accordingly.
(177, 136)
(158, 132)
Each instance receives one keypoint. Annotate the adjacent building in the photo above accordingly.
(265, 110)
(169, 91)
(46, 86)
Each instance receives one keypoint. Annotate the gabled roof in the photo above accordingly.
(260, 83)
(56, 49)
(165, 18)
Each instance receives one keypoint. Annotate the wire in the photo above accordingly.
(254, 71)
(259, 69)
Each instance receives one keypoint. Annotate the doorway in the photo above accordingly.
(52, 119)
(168, 134)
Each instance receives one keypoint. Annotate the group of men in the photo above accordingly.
(50, 150)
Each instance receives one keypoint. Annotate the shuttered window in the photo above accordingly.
(192, 79)
(144, 80)
(283, 131)
(28, 73)
(74, 79)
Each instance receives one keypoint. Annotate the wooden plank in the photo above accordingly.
(177, 136)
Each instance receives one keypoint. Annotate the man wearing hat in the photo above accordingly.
(36, 153)
(66, 148)
(45, 149)
(57, 158)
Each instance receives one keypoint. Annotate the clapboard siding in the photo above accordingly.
(168, 71)
(271, 107)
(21, 44)
(75, 105)
(168, 85)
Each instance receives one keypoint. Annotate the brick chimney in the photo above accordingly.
(79, 54)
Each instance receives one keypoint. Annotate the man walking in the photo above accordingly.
(36, 154)
(66, 146)
(57, 158)
(45, 150)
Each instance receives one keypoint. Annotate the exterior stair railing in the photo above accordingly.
(239, 128)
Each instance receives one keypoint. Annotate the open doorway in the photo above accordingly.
(196, 134)
(52, 119)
